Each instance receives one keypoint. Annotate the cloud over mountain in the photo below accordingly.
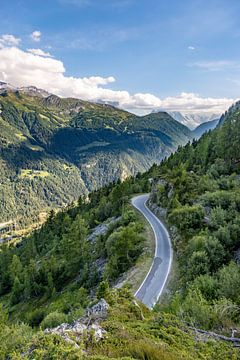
(38, 68)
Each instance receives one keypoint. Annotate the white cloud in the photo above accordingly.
(39, 52)
(217, 65)
(36, 35)
(9, 40)
(23, 68)
(190, 102)
(190, 47)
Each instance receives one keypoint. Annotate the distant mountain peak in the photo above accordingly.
(33, 91)
(6, 86)
(28, 90)
(193, 120)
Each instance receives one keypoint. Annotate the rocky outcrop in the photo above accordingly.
(158, 211)
(87, 326)
(153, 199)
(100, 310)
(73, 332)
(102, 228)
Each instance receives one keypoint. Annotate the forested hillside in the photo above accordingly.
(53, 150)
(199, 187)
(52, 275)
(70, 254)
(204, 127)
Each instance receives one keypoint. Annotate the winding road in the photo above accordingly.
(152, 287)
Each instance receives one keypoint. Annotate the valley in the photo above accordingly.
(54, 149)
(119, 180)
(61, 270)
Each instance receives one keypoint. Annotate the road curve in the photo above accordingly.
(152, 286)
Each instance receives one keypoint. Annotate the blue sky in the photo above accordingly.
(155, 47)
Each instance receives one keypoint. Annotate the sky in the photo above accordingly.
(141, 55)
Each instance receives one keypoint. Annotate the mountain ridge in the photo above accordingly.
(52, 276)
(204, 127)
(55, 149)
(193, 120)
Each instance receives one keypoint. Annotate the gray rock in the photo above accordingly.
(88, 325)
(98, 310)
(102, 229)
(158, 211)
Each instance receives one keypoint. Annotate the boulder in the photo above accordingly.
(99, 310)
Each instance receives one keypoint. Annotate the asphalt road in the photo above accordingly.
(152, 287)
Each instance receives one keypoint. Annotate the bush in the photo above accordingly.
(35, 317)
(103, 290)
(197, 311)
(187, 217)
(146, 350)
(53, 319)
(124, 246)
(229, 282)
(207, 285)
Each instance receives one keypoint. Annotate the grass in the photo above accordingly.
(44, 117)
(21, 137)
(171, 285)
(132, 332)
(31, 174)
(35, 148)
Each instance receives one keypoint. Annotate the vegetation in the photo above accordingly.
(52, 275)
(201, 193)
(54, 150)
(128, 336)
(63, 256)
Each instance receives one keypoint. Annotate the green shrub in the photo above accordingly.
(35, 317)
(146, 350)
(187, 217)
(53, 319)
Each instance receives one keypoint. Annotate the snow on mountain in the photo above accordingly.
(192, 120)
(29, 90)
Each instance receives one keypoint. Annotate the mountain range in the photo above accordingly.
(52, 149)
(76, 262)
(193, 120)
(204, 127)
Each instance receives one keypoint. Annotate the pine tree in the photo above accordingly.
(16, 291)
(16, 268)
(103, 290)
(74, 246)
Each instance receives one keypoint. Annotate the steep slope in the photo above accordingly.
(126, 330)
(199, 188)
(52, 276)
(233, 110)
(204, 127)
(53, 149)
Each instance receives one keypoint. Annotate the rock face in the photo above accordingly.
(100, 310)
(102, 228)
(88, 326)
(158, 211)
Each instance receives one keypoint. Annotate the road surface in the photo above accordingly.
(151, 288)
